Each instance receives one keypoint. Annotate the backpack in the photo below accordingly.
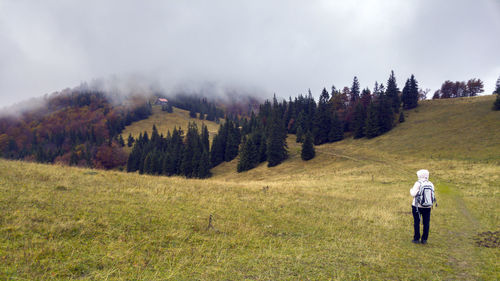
(425, 196)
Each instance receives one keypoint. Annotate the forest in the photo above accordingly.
(82, 127)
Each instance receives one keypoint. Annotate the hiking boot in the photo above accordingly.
(415, 241)
(424, 242)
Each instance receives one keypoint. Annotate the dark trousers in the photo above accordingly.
(426, 218)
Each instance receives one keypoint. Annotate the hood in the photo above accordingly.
(423, 174)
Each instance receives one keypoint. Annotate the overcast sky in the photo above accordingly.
(265, 47)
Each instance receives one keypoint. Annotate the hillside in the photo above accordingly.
(166, 122)
(342, 215)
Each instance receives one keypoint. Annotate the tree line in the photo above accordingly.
(77, 126)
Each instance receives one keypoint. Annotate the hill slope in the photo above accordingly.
(166, 122)
(343, 215)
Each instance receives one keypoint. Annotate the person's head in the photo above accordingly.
(423, 174)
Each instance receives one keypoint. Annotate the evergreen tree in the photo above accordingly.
(372, 122)
(359, 121)
(130, 140)
(192, 113)
(385, 114)
(121, 142)
(191, 151)
(276, 142)
(307, 148)
(233, 141)
(410, 93)
(148, 164)
(496, 104)
(413, 91)
(337, 130)
(497, 87)
(401, 117)
(392, 92)
(248, 153)
(355, 89)
(322, 119)
(204, 169)
(301, 124)
(205, 138)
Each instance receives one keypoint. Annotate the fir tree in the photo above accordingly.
(307, 148)
(301, 124)
(359, 121)
(337, 130)
(385, 114)
(148, 164)
(497, 87)
(410, 93)
(248, 153)
(392, 92)
(204, 169)
(355, 89)
(322, 119)
(401, 117)
(276, 143)
(372, 122)
(121, 142)
(233, 141)
(130, 140)
(496, 104)
(205, 138)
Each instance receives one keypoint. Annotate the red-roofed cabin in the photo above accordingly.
(161, 101)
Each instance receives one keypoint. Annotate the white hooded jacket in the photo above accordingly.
(423, 176)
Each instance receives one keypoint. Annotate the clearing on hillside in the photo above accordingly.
(343, 215)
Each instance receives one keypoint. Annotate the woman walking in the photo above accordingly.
(423, 193)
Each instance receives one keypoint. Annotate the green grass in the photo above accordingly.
(344, 215)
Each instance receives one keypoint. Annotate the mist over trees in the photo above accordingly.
(83, 128)
(80, 127)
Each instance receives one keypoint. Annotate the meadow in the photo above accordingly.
(344, 215)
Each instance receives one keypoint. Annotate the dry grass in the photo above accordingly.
(166, 122)
(343, 215)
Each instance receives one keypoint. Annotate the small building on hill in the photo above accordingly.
(161, 101)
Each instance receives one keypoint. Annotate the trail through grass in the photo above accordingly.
(344, 215)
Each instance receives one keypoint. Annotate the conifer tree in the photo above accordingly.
(385, 114)
(276, 142)
(322, 119)
(497, 87)
(205, 138)
(130, 140)
(307, 148)
(359, 121)
(372, 122)
(355, 90)
(410, 93)
(248, 155)
(496, 104)
(148, 164)
(401, 117)
(301, 124)
(233, 141)
(121, 142)
(392, 92)
(337, 130)
(204, 170)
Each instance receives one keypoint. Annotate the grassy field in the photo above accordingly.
(166, 122)
(345, 215)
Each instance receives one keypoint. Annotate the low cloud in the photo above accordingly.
(256, 47)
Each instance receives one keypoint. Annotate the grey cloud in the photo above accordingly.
(262, 47)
